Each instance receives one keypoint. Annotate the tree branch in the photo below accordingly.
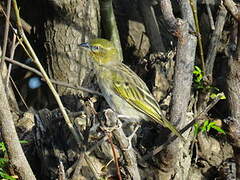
(14, 149)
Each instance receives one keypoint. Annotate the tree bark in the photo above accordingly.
(172, 157)
(72, 22)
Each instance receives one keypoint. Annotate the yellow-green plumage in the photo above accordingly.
(124, 91)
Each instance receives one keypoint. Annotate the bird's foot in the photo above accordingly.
(129, 138)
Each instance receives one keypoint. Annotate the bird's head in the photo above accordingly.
(102, 51)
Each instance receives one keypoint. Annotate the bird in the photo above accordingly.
(125, 92)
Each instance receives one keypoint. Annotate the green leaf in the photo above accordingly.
(218, 129)
(199, 78)
(3, 162)
(196, 129)
(197, 69)
(2, 147)
(213, 96)
(223, 96)
(6, 176)
(215, 89)
(209, 126)
(204, 126)
(195, 72)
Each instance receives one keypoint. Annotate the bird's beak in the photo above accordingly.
(85, 45)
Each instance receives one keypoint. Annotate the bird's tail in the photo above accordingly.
(168, 125)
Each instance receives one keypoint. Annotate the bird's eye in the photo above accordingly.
(95, 48)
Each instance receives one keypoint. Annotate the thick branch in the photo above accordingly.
(166, 8)
(232, 9)
(151, 25)
(186, 49)
(214, 43)
(14, 149)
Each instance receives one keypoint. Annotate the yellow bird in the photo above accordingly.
(125, 92)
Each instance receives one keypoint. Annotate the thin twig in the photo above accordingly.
(38, 64)
(23, 101)
(11, 57)
(210, 15)
(15, 32)
(109, 25)
(237, 53)
(52, 80)
(114, 155)
(96, 145)
(5, 38)
(61, 171)
(26, 26)
(129, 154)
(194, 10)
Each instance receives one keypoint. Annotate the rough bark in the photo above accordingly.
(71, 23)
(233, 96)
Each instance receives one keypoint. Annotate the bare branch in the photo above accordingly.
(5, 38)
(14, 149)
(232, 9)
(214, 43)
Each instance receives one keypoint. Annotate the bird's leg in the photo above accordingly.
(129, 138)
(128, 119)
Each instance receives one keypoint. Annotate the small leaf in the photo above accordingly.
(198, 69)
(196, 129)
(2, 147)
(6, 176)
(223, 96)
(218, 129)
(213, 96)
(204, 126)
(209, 126)
(195, 72)
(3, 162)
(216, 89)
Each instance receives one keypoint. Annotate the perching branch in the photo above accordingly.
(129, 154)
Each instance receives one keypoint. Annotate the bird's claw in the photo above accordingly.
(129, 138)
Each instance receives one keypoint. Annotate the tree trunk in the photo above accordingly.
(72, 22)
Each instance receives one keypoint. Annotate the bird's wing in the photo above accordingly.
(131, 88)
